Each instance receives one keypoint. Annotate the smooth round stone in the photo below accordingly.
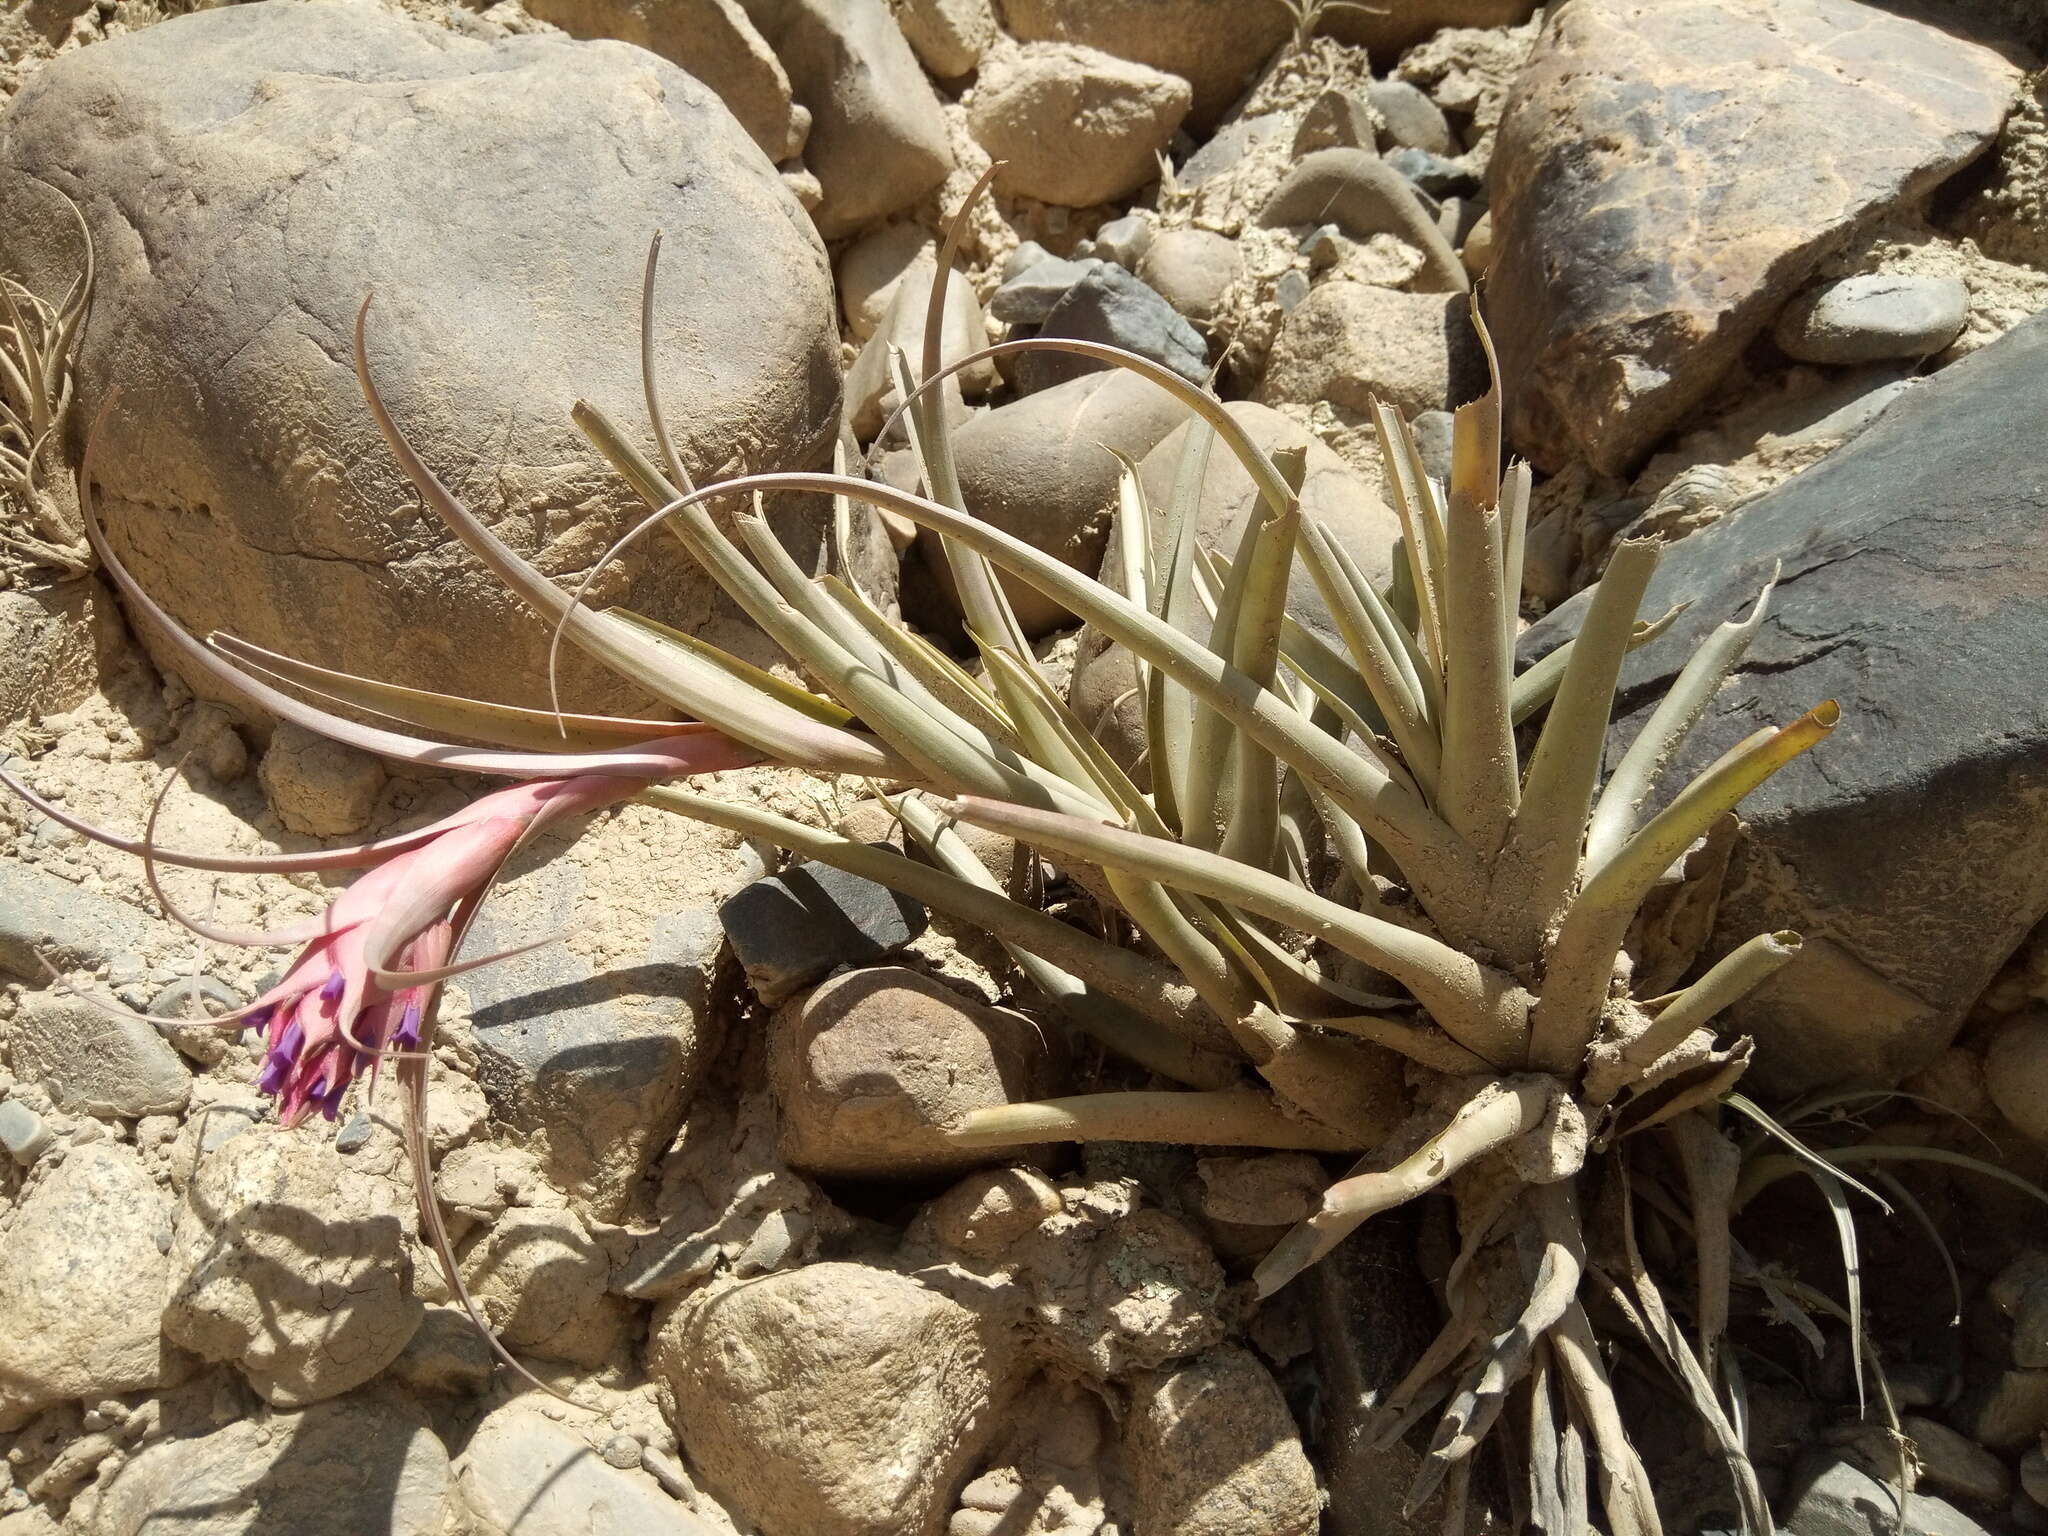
(1866, 319)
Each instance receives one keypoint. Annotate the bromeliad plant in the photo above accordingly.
(38, 522)
(1385, 902)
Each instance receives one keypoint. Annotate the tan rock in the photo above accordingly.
(711, 39)
(1073, 125)
(1191, 269)
(541, 1278)
(293, 1261)
(1041, 468)
(1637, 132)
(1364, 196)
(878, 137)
(81, 1284)
(1350, 344)
(870, 268)
(1388, 29)
(319, 787)
(869, 1066)
(525, 1475)
(2016, 1073)
(93, 1063)
(1214, 1451)
(52, 640)
(832, 1400)
(1217, 46)
(871, 394)
(368, 1463)
(949, 36)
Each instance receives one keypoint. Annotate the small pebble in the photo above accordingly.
(1122, 240)
(1412, 120)
(1291, 290)
(354, 1134)
(1324, 247)
(22, 1132)
(1029, 253)
(1029, 297)
(622, 1451)
(1435, 174)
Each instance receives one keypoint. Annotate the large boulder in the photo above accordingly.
(1908, 847)
(1668, 174)
(250, 173)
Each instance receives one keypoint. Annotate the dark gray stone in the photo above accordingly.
(1872, 317)
(791, 929)
(1110, 305)
(599, 1057)
(1909, 847)
(1122, 240)
(1029, 296)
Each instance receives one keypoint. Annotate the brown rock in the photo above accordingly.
(947, 35)
(869, 1066)
(1668, 174)
(1363, 196)
(1190, 269)
(1214, 45)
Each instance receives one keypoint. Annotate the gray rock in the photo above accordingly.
(1364, 196)
(1843, 1500)
(1110, 305)
(1623, 135)
(97, 1063)
(871, 393)
(2016, 1076)
(1336, 119)
(2034, 1474)
(82, 1283)
(1955, 1464)
(714, 42)
(1432, 431)
(525, 1473)
(1437, 175)
(1871, 318)
(294, 1263)
(597, 1053)
(2006, 1412)
(1844, 409)
(1041, 468)
(878, 135)
(1071, 125)
(1029, 295)
(368, 1463)
(1324, 246)
(1029, 253)
(22, 1132)
(869, 1068)
(1411, 120)
(791, 929)
(76, 929)
(1122, 240)
(1191, 269)
(255, 493)
(871, 267)
(1291, 292)
(1915, 564)
(1216, 48)
(355, 1134)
